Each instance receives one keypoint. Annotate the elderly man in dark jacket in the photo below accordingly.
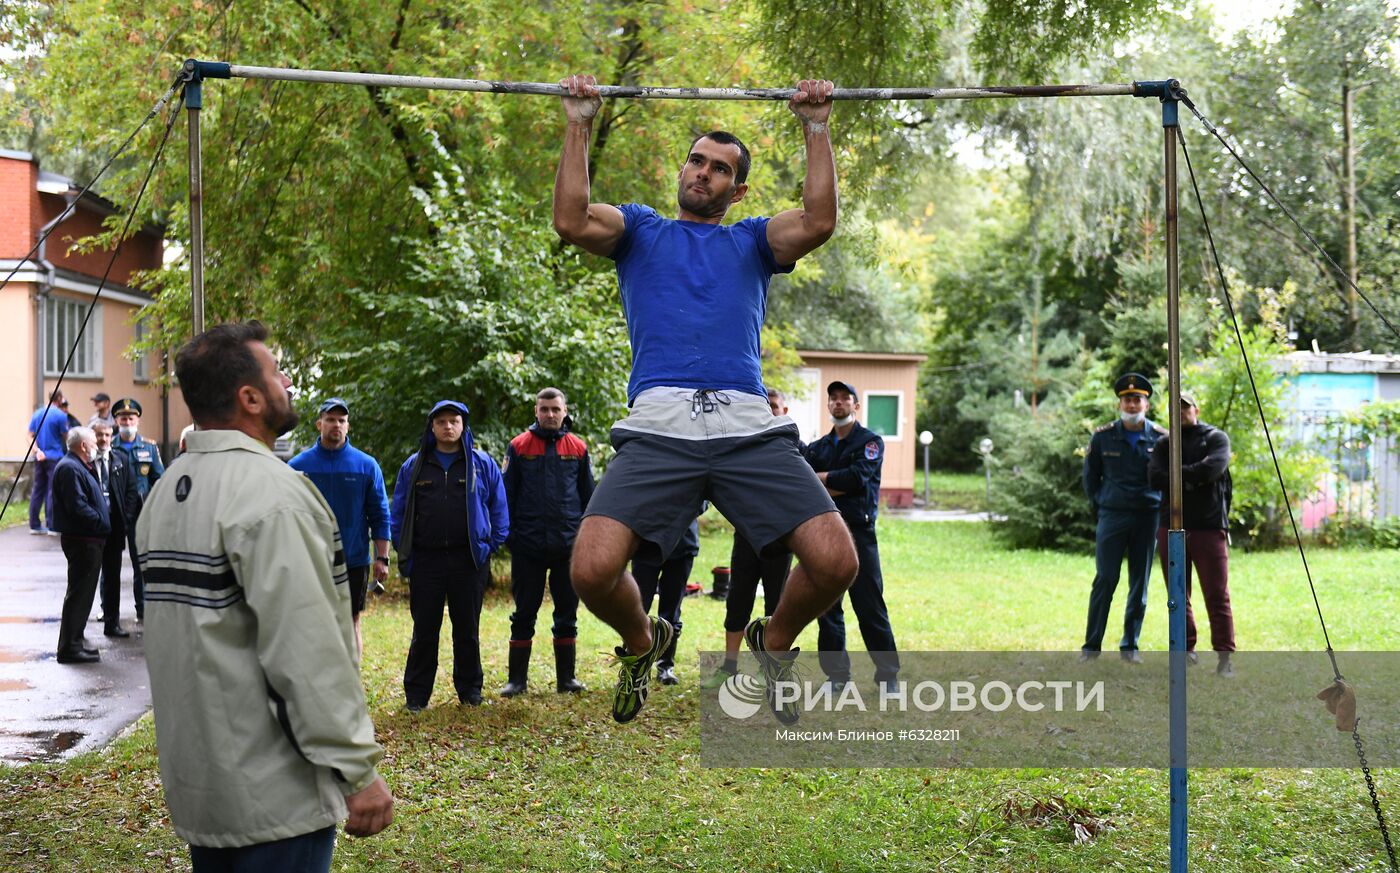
(548, 482)
(81, 518)
(1205, 516)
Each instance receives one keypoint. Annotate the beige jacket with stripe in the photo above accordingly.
(261, 724)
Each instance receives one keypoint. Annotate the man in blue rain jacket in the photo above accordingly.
(448, 515)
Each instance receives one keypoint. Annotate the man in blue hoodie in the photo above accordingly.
(353, 485)
(449, 514)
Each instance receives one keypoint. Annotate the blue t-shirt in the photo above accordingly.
(694, 296)
(447, 459)
(1132, 436)
(52, 431)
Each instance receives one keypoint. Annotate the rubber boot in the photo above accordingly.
(666, 664)
(564, 657)
(519, 667)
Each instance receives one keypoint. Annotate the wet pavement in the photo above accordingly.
(48, 710)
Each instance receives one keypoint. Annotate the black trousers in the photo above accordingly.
(746, 569)
(138, 586)
(667, 579)
(867, 595)
(84, 563)
(444, 576)
(528, 575)
(112, 578)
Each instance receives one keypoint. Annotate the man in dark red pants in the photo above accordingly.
(1205, 515)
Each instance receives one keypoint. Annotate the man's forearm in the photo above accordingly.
(819, 185)
(571, 186)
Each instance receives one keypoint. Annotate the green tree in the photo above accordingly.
(1222, 387)
(1312, 105)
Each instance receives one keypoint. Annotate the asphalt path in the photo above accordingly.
(48, 710)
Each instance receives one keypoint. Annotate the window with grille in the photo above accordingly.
(63, 322)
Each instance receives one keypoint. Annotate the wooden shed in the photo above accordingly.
(887, 383)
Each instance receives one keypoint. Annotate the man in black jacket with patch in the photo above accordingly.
(548, 482)
(118, 481)
(1206, 491)
(847, 461)
(81, 519)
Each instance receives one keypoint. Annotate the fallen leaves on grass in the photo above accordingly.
(1083, 824)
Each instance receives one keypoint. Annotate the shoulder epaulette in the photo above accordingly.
(1104, 427)
(1159, 429)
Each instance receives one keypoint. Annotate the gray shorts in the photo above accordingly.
(678, 447)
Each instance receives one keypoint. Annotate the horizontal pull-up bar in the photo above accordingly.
(217, 70)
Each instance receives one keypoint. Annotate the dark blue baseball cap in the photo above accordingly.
(842, 386)
(335, 403)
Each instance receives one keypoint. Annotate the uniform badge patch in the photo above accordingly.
(872, 450)
(182, 489)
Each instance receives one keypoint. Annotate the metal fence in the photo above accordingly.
(1363, 478)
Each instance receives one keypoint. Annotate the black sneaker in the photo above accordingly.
(776, 667)
(634, 671)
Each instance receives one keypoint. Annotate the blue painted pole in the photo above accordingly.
(1176, 619)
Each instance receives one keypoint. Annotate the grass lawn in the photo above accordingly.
(551, 783)
(952, 490)
(16, 515)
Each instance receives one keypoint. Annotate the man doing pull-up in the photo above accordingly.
(694, 292)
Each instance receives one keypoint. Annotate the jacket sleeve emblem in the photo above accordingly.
(872, 450)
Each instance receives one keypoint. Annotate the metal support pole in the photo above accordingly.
(925, 475)
(194, 101)
(1176, 536)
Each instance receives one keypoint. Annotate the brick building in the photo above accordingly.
(43, 306)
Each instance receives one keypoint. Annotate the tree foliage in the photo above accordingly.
(1222, 386)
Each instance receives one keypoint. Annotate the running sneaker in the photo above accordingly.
(718, 678)
(634, 671)
(776, 667)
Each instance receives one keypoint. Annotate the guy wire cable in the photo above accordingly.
(116, 250)
(1288, 503)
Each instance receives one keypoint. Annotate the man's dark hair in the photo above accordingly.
(724, 137)
(214, 365)
(550, 394)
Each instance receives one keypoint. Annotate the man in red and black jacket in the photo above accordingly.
(548, 483)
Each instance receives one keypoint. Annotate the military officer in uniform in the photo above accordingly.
(143, 462)
(1116, 483)
(847, 461)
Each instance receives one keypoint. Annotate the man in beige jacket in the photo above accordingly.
(261, 726)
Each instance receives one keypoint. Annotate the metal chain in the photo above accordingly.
(1375, 801)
